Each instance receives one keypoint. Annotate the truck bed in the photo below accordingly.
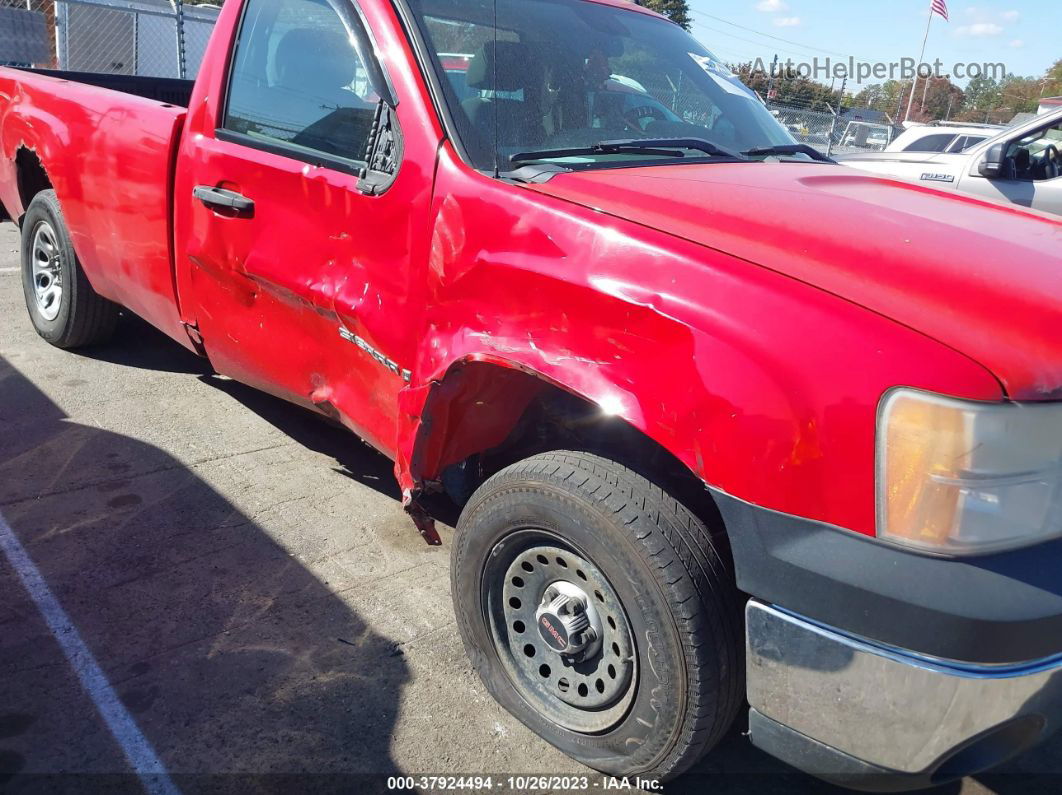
(161, 89)
(107, 144)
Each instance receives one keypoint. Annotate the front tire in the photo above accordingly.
(63, 307)
(597, 610)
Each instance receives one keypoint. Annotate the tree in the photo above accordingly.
(1052, 82)
(870, 97)
(942, 99)
(883, 97)
(756, 79)
(982, 93)
(788, 86)
(892, 90)
(677, 11)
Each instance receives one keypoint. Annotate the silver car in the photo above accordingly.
(1021, 164)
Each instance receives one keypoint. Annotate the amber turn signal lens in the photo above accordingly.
(922, 439)
(959, 476)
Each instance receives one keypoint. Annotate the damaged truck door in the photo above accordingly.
(311, 289)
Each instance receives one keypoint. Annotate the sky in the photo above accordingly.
(1022, 34)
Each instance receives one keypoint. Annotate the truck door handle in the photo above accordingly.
(221, 197)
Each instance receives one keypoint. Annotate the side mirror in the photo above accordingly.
(993, 166)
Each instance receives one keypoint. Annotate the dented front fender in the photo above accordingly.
(765, 387)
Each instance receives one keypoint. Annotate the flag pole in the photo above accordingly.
(921, 57)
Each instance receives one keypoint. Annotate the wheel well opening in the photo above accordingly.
(537, 416)
(31, 177)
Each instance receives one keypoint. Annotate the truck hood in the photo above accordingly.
(982, 278)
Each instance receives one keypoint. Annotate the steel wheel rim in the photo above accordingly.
(47, 272)
(588, 692)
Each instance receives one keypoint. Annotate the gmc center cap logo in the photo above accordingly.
(553, 632)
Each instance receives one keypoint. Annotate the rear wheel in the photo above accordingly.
(62, 305)
(597, 610)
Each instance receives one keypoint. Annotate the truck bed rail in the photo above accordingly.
(170, 90)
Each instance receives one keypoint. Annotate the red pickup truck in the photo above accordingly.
(724, 421)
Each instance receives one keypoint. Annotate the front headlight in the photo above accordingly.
(956, 476)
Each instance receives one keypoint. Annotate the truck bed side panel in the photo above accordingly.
(109, 156)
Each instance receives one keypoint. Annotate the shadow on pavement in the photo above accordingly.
(240, 667)
(353, 458)
(145, 347)
(1036, 772)
(142, 346)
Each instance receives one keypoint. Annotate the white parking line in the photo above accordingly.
(10, 270)
(153, 775)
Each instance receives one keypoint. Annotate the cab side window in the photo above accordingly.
(297, 80)
(1037, 155)
(964, 142)
(931, 143)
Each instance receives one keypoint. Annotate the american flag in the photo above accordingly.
(939, 7)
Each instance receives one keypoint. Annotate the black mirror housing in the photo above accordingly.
(992, 166)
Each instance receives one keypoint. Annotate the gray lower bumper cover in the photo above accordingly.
(845, 709)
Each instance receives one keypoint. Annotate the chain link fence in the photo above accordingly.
(812, 127)
(834, 131)
(155, 38)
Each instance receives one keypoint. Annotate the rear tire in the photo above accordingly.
(665, 681)
(62, 305)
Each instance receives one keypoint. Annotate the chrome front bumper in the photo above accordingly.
(874, 717)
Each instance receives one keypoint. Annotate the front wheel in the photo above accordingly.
(597, 610)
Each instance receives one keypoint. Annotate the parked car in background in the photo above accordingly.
(804, 130)
(863, 136)
(819, 139)
(1020, 164)
(942, 138)
(726, 422)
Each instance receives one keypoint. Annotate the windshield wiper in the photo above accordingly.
(790, 149)
(663, 147)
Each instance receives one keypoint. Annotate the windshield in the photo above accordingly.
(569, 74)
